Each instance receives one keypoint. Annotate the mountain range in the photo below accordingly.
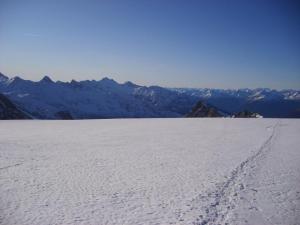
(106, 98)
(267, 102)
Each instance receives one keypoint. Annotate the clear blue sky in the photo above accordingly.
(219, 44)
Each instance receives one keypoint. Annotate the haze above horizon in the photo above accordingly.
(212, 44)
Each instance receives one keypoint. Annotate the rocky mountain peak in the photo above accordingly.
(46, 79)
(203, 110)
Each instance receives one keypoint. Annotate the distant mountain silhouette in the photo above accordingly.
(106, 98)
(46, 99)
(266, 102)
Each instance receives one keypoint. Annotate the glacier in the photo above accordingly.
(150, 171)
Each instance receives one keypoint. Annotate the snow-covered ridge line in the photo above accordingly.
(106, 98)
(251, 94)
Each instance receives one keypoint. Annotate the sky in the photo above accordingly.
(204, 43)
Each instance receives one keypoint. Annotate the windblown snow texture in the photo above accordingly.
(150, 171)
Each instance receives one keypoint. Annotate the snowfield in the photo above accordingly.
(150, 171)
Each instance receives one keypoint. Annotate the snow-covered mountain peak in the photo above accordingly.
(74, 82)
(3, 77)
(130, 84)
(107, 98)
(108, 83)
(46, 79)
(108, 80)
(14, 80)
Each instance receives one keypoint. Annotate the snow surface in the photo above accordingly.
(150, 171)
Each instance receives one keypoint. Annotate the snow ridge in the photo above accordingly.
(104, 98)
(221, 201)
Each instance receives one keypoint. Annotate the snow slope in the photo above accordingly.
(104, 98)
(150, 171)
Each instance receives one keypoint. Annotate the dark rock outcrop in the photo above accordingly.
(203, 110)
(247, 114)
(8, 111)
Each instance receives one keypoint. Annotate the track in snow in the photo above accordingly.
(222, 200)
(150, 171)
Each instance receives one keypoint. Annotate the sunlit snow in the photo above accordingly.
(150, 171)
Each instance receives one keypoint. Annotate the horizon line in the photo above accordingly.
(154, 85)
